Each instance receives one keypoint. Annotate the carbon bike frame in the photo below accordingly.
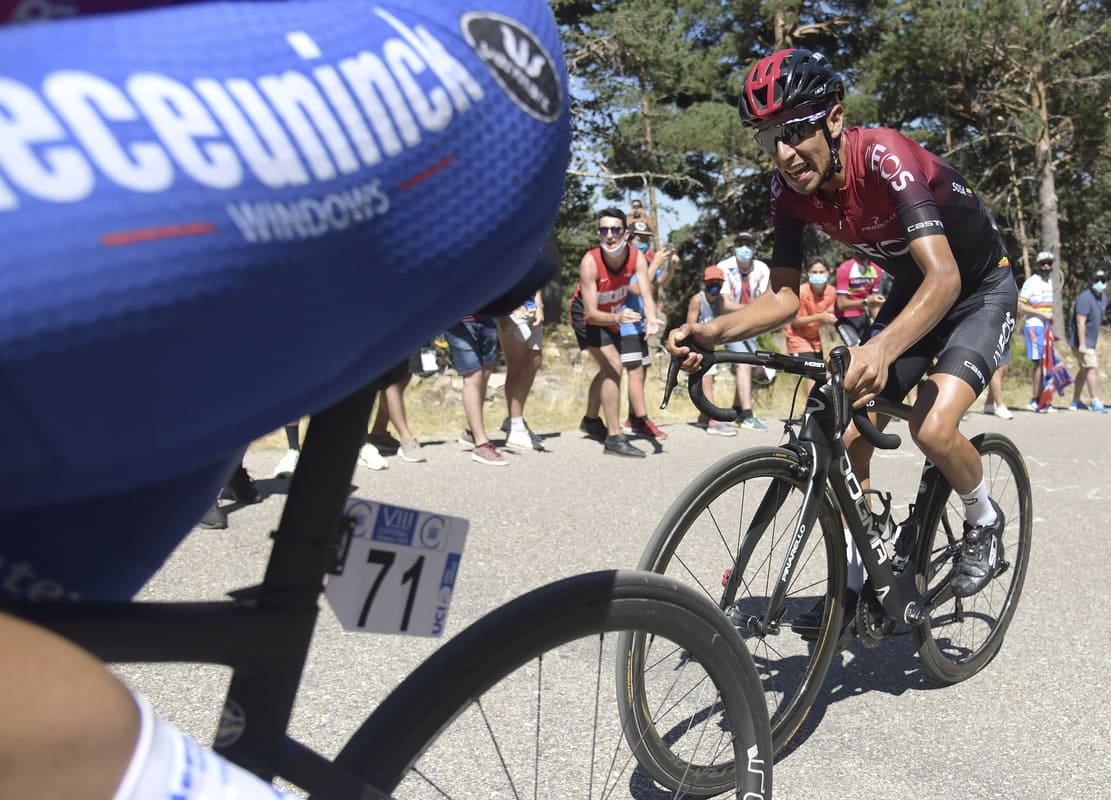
(263, 633)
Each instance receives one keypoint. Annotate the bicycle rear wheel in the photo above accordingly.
(729, 535)
(522, 702)
(961, 635)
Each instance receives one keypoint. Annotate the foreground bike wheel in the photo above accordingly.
(737, 519)
(522, 703)
(962, 635)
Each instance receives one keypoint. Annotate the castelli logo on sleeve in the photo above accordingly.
(518, 62)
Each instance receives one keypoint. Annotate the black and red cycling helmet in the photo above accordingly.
(786, 80)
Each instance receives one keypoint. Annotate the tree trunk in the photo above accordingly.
(1047, 200)
(648, 148)
(1020, 218)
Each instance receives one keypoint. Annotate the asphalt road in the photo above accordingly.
(1034, 723)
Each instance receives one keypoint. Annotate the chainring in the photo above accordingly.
(872, 627)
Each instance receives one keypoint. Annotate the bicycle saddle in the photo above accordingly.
(219, 217)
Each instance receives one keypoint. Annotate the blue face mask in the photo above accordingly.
(818, 280)
(713, 291)
(1099, 286)
(641, 246)
(744, 253)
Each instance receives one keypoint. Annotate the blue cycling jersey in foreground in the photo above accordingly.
(193, 198)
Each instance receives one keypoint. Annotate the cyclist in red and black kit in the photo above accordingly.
(953, 297)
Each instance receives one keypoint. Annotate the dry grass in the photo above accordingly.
(434, 405)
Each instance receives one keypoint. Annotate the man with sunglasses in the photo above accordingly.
(598, 309)
(953, 298)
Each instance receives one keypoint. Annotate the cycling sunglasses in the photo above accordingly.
(791, 132)
(611, 231)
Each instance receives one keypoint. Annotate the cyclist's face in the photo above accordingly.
(803, 163)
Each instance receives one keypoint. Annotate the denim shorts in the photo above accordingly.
(473, 345)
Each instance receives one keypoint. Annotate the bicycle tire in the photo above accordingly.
(791, 670)
(945, 638)
(386, 748)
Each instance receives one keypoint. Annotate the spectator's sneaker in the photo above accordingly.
(490, 455)
(620, 446)
(715, 428)
(370, 458)
(1003, 412)
(1050, 409)
(753, 424)
(594, 428)
(287, 464)
(981, 553)
(466, 438)
(1098, 407)
(1077, 405)
(384, 442)
(808, 624)
(241, 488)
(1032, 406)
(411, 451)
(215, 518)
(519, 440)
(644, 427)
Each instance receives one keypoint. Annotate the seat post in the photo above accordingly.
(307, 538)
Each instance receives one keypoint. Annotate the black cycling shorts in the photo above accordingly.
(970, 342)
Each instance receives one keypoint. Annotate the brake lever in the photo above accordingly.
(842, 409)
(672, 379)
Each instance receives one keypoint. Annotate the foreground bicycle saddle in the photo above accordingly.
(215, 216)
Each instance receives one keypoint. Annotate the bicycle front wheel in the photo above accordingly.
(522, 703)
(730, 535)
(961, 635)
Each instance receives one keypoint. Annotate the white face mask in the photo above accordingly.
(616, 250)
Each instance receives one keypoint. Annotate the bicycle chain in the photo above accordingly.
(872, 628)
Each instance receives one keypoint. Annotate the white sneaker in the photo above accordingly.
(370, 458)
(288, 463)
(715, 428)
(1032, 406)
(1003, 412)
(519, 440)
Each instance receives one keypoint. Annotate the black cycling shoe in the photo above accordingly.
(620, 446)
(594, 428)
(808, 625)
(981, 553)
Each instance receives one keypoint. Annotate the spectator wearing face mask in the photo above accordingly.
(1084, 324)
(1035, 300)
(637, 213)
(704, 306)
(816, 302)
(746, 278)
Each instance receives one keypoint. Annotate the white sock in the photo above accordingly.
(977, 506)
(517, 424)
(167, 763)
(854, 579)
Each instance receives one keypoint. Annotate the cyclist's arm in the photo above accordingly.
(940, 287)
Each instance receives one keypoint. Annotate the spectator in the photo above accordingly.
(474, 351)
(661, 263)
(391, 408)
(638, 214)
(1035, 300)
(288, 462)
(816, 301)
(635, 360)
(994, 401)
(704, 306)
(597, 310)
(521, 335)
(1087, 316)
(240, 488)
(746, 278)
(858, 298)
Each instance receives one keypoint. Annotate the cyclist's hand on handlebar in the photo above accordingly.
(867, 374)
(679, 340)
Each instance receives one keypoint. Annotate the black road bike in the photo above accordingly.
(761, 533)
(521, 703)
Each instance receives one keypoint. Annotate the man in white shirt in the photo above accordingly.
(1035, 300)
(746, 278)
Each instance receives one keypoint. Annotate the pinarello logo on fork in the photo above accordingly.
(518, 61)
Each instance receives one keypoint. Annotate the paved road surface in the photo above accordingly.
(1035, 723)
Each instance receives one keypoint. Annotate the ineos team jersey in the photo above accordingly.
(895, 191)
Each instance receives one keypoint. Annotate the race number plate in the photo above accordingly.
(399, 570)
